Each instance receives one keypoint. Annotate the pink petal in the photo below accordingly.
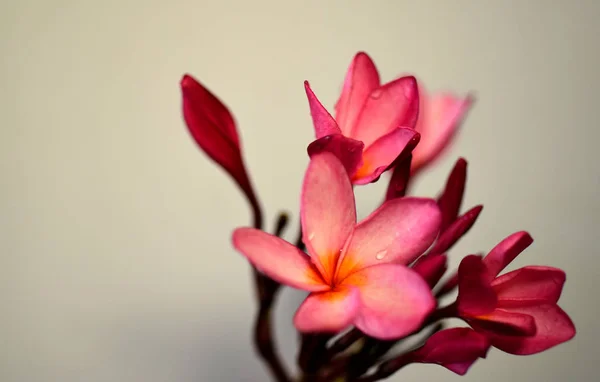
(431, 268)
(347, 150)
(397, 232)
(393, 105)
(399, 179)
(452, 197)
(213, 128)
(456, 349)
(506, 251)
(323, 121)
(505, 322)
(475, 295)
(439, 119)
(553, 328)
(395, 300)
(456, 230)
(529, 285)
(330, 311)
(278, 259)
(378, 157)
(361, 79)
(328, 213)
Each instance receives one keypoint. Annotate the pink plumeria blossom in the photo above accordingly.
(356, 273)
(517, 311)
(374, 120)
(214, 130)
(368, 111)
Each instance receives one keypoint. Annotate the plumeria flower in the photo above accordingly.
(517, 311)
(213, 128)
(356, 273)
(377, 115)
(374, 123)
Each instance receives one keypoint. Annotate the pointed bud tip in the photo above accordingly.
(187, 80)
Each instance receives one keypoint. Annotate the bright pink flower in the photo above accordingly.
(440, 116)
(517, 311)
(455, 349)
(213, 128)
(354, 271)
(374, 120)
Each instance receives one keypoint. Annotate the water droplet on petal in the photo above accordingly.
(311, 236)
(375, 94)
(381, 255)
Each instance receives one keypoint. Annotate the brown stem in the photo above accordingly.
(266, 291)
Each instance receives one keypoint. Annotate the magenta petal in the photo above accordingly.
(395, 300)
(456, 349)
(323, 121)
(456, 230)
(398, 184)
(452, 196)
(439, 119)
(397, 232)
(431, 268)
(553, 328)
(378, 157)
(278, 259)
(506, 322)
(392, 105)
(347, 150)
(506, 251)
(529, 285)
(327, 211)
(213, 128)
(330, 311)
(361, 79)
(475, 295)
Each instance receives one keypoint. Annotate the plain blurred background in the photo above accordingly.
(115, 259)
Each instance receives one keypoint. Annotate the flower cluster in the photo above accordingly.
(377, 282)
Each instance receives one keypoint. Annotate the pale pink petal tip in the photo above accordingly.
(278, 259)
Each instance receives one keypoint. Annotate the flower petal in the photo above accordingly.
(529, 285)
(330, 311)
(505, 322)
(456, 230)
(392, 105)
(278, 259)
(395, 300)
(323, 122)
(553, 328)
(475, 294)
(328, 212)
(505, 252)
(452, 196)
(213, 128)
(378, 157)
(397, 232)
(399, 180)
(439, 118)
(347, 150)
(456, 349)
(361, 79)
(431, 268)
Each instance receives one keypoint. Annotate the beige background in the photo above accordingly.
(115, 255)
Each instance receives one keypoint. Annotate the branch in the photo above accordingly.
(266, 291)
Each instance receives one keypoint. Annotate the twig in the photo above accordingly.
(266, 290)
